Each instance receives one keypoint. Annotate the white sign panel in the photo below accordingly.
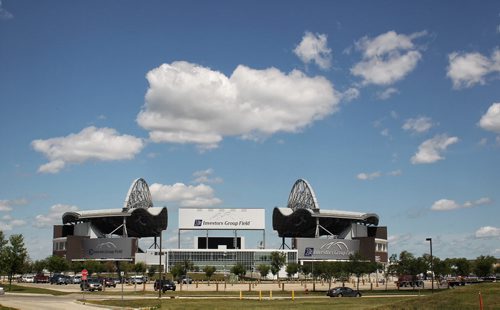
(105, 248)
(222, 219)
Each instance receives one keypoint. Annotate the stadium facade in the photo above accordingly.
(312, 234)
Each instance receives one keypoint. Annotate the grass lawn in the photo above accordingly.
(34, 290)
(460, 298)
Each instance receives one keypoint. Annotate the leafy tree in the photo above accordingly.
(110, 267)
(75, 266)
(140, 268)
(292, 269)
(151, 271)
(57, 264)
(483, 265)
(93, 266)
(263, 270)
(278, 260)
(39, 266)
(357, 266)
(460, 266)
(238, 270)
(177, 270)
(306, 268)
(441, 269)
(13, 256)
(187, 266)
(209, 272)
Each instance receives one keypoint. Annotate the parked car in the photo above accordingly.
(343, 292)
(28, 278)
(76, 279)
(164, 285)
(91, 285)
(184, 280)
(136, 280)
(41, 278)
(109, 282)
(2, 291)
(59, 279)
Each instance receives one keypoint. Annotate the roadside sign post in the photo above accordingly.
(122, 273)
(85, 273)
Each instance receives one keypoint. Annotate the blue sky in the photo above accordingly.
(390, 107)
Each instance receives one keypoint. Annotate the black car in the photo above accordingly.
(164, 285)
(343, 292)
(59, 279)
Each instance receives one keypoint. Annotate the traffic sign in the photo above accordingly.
(85, 273)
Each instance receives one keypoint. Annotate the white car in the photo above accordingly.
(28, 278)
(2, 292)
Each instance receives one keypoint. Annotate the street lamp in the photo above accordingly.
(432, 264)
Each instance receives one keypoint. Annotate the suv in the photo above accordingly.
(59, 279)
(165, 285)
(91, 285)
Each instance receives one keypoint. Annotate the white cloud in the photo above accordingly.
(448, 205)
(186, 195)
(488, 232)
(491, 120)
(387, 58)
(188, 103)
(205, 176)
(368, 176)
(467, 69)
(395, 173)
(89, 144)
(350, 94)
(54, 216)
(6, 205)
(430, 150)
(7, 225)
(418, 125)
(4, 14)
(314, 48)
(386, 94)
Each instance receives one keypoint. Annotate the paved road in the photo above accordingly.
(43, 302)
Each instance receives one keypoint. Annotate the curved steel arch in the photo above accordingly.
(302, 196)
(138, 196)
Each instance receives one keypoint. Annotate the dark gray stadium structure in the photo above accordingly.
(328, 234)
(111, 234)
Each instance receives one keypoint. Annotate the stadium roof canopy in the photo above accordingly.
(138, 215)
(302, 217)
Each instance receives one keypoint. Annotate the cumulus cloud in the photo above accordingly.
(4, 14)
(387, 58)
(388, 93)
(448, 205)
(7, 205)
(314, 48)
(491, 120)
(395, 173)
(91, 143)
(488, 232)
(430, 150)
(205, 176)
(188, 103)
(350, 94)
(368, 176)
(186, 195)
(418, 125)
(468, 69)
(54, 216)
(8, 223)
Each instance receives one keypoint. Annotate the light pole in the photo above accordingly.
(432, 264)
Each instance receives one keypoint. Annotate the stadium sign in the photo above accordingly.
(325, 249)
(222, 219)
(109, 248)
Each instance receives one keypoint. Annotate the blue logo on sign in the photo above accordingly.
(309, 252)
(198, 222)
